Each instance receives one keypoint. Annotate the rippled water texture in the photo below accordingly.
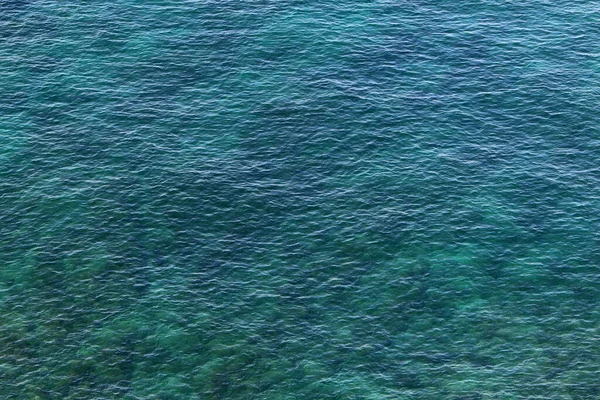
(299, 200)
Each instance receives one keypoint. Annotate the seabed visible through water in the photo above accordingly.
(299, 200)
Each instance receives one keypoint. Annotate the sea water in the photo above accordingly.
(254, 199)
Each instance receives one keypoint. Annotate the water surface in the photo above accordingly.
(299, 200)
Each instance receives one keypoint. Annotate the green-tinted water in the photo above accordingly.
(299, 200)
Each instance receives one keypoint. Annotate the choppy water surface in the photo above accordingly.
(299, 200)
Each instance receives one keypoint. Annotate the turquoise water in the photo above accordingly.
(299, 200)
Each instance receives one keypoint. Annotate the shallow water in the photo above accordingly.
(299, 200)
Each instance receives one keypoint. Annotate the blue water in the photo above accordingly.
(299, 200)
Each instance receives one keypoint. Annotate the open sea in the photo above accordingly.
(293, 199)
